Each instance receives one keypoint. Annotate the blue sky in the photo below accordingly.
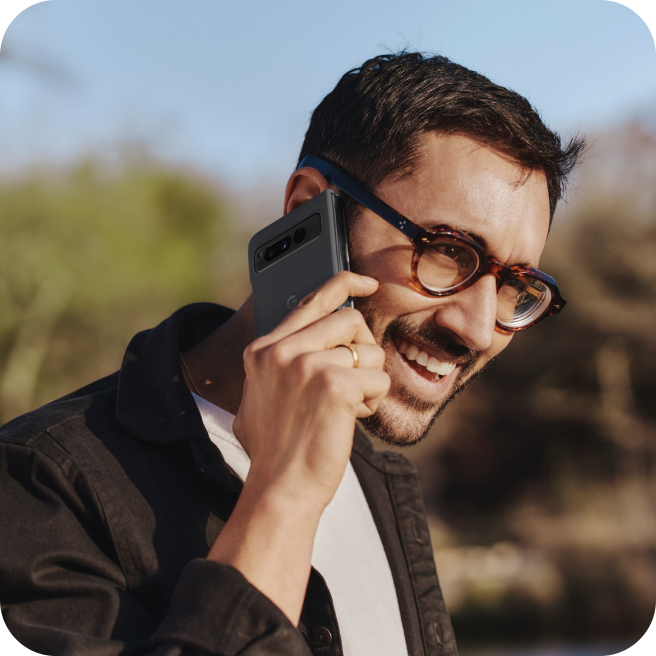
(228, 87)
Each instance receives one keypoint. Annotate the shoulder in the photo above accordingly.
(71, 414)
(50, 457)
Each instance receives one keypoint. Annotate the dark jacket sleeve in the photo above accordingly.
(63, 591)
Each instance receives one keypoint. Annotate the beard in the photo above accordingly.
(403, 418)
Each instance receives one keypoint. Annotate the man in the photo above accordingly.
(127, 531)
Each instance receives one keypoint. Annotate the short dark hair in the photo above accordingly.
(372, 124)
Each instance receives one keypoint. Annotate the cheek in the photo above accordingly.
(380, 307)
(378, 250)
(390, 265)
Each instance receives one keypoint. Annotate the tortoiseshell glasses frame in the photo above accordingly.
(526, 294)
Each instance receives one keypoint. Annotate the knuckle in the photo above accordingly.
(250, 352)
(280, 353)
(351, 314)
(304, 366)
(377, 357)
(251, 356)
(352, 317)
(344, 276)
(358, 321)
(257, 346)
(331, 381)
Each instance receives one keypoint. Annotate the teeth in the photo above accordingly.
(431, 363)
(443, 368)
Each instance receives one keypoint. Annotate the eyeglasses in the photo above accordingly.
(446, 261)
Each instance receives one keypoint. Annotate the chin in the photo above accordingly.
(403, 419)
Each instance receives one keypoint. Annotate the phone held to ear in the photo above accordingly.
(294, 255)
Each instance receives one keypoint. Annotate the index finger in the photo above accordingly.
(324, 301)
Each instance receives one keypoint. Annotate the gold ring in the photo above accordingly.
(354, 353)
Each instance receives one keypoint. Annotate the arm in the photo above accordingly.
(301, 399)
(63, 590)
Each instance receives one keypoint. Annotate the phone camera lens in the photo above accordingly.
(299, 235)
(276, 249)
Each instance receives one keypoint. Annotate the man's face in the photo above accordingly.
(479, 191)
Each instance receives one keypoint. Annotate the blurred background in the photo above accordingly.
(143, 143)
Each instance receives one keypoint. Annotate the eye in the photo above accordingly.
(446, 263)
(454, 252)
(517, 284)
(516, 289)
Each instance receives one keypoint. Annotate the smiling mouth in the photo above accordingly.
(425, 364)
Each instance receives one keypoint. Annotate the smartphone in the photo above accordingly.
(294, 255)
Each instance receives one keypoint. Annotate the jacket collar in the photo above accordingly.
(387, 462)
(153, 401)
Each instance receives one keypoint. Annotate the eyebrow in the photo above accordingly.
(481, 241)
(477, 238)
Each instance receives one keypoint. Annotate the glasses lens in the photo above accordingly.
(446, 263)
(521, 300)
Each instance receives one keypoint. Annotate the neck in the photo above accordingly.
(215, 366)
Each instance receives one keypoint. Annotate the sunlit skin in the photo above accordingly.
(297, 397)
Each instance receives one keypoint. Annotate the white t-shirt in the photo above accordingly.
(347, 552)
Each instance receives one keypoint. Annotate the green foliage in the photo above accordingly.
(89, 257)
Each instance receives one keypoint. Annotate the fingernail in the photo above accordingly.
(369, 280)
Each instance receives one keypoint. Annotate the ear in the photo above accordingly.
(304, 184)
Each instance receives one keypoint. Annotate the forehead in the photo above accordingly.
(478, 190)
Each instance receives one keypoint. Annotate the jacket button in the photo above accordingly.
(436, 632)
(416, 531)
(322, 636)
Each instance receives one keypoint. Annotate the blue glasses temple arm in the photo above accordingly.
(355, 191)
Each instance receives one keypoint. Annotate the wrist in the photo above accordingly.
(269, 539)
(299, 503)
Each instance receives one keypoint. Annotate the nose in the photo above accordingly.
(471, 314)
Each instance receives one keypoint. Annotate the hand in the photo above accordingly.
(302, 395)
(301, 399)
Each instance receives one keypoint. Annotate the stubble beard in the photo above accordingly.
(403, 418)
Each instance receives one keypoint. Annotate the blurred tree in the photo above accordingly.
(90, 256)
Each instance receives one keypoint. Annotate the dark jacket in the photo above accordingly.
(111, 497)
